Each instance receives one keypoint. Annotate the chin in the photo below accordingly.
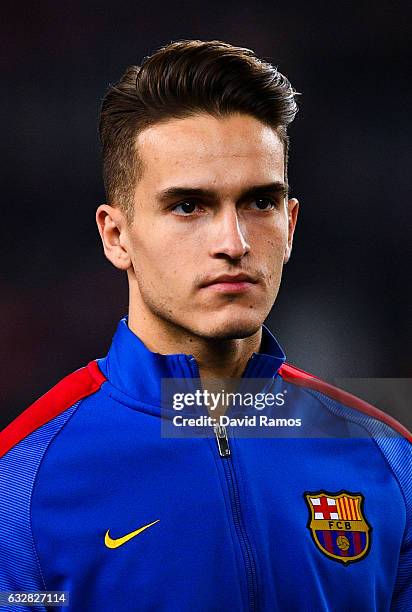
(230, 329)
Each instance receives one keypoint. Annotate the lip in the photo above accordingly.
(233, 283)
(230, 287)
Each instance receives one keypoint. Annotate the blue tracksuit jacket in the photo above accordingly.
(94, 501)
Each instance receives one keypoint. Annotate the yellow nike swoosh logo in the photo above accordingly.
(115, 543)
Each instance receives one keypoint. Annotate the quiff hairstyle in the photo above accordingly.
(179, 80)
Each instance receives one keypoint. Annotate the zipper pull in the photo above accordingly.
(222, 440)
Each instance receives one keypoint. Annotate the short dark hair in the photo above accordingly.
(181, 79)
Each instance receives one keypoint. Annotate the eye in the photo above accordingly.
(186, 208)
(263, 203)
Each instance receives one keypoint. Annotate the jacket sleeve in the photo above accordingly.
(20, 460)
(19, 567)
(402, 597)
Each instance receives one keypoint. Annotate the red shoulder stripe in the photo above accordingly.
(67, 392)
(303, 379)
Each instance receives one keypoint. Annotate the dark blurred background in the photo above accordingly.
(344, 306)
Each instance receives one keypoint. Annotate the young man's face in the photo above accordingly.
(210, 202)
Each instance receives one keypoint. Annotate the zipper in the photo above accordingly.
(243, 537)
(225, 452)
(222, 440)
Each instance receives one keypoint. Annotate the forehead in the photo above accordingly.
(202, 147)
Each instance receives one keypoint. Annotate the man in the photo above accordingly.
(95, 502)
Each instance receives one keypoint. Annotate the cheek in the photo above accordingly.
(159, 259)
(269, 245)
(269, 256)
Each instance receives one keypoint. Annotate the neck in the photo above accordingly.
(216, 358)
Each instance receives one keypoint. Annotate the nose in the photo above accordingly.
(229, 236)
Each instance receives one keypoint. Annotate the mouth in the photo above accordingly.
(227, 283)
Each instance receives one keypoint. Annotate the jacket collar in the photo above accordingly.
(137, 372)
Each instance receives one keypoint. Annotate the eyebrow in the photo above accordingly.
(174, 193)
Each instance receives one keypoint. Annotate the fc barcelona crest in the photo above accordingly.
(338, 525)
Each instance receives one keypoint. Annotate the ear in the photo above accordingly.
(112, 226)
(293, 209)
